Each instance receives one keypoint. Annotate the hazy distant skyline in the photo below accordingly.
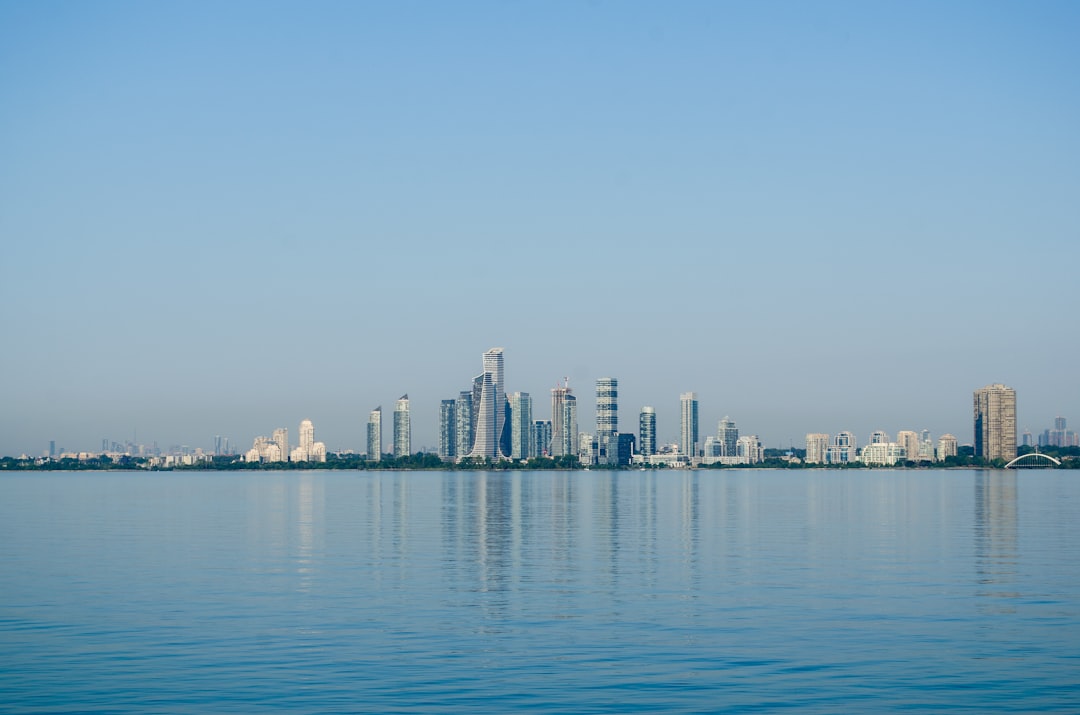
(222, 219)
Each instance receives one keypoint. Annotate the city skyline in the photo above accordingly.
(218, 220)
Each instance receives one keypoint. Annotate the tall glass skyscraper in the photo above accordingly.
(564, 436)
(647, 431)
(541, 441)
(447, 429)
(374, 434)
(688, 436)
(607, 420)
(490, 417)
(520, 425)
(402, 428)
(464, 417)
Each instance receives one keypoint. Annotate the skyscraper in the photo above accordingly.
(402, 428)
(727, 434)
(464, 416)
(995, 422)
(564, 436)
(307, 437)
(607, 420)
(281, 439)
(520, 425)
(688, 436)
(816, 446)
(447, 429)
(374, 434)
(647, 431)
(490, 417)
(541, 441)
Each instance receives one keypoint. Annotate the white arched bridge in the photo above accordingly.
(1033, 460)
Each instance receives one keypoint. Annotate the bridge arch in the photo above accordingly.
(1033, 460)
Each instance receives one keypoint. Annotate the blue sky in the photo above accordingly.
(225, 218)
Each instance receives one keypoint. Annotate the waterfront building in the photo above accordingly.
(910, 442)
(447, 429)
(463, 414)
(541, 439)
(946, 447)
(521, 423)
(374, 435)
(995, 422)
(879, 437)
(626, 448)
(727, 434)
(308, 450)
(843, 449)
(749, 449)
(489, 403)
(607, 420)
(281, 439)
(564, 437)
(817, 444)
(688, 435)
(882, 454)
(586, 448)
(647, 431)
(402, 428)
(264, 450)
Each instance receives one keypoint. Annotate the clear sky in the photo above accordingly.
(222, 218)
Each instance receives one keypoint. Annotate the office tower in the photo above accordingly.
(995, 422)
(447, 429)
(607, 420)
(816, 446)
(374, 434)
(281, 439)
(490, 408)
(727, 434)
(564, 437)
(541, 440)
(688, 436)
(647, 431)
(402, 428)
(910, 442)
(946, 447)
(464, 418)
(520, 425)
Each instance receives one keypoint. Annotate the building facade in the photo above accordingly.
(607, 420)
(817, 444)
(647, 431)
(402, 428)
(688, 434)
(374, 434)
(564, 435)
(521, 423)
(447, 429)
(490, 408)
(995, 422)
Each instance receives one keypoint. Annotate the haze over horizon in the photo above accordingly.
(222, 219)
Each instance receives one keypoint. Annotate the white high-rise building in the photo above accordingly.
(946, 447)
(402, 428)
(817, 444)
(564, 434)
(308, 450)
(607, 420)
(281, 439)
(490, 408)
(727, 434)
(374, 435)
(688, 436)
(910, 442)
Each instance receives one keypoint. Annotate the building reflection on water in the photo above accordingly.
(996, 538)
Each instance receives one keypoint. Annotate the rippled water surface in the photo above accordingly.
(710, 591)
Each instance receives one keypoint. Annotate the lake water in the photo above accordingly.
(708, 591)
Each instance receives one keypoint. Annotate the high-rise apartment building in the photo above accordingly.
(489, 403)
(910, 442)
(727, 434)
(946, 447)
(402, 428)
(688, 435)
(447, 429)
(817, 445)
(464, 417)
(308, 450)
(307, 436)
(647, 431)
(521, 423)
(281, 439)
(541, 440)
(374, 434)
(607, 420)
(995, 422)
(564, 434)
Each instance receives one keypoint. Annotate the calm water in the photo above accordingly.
(734, 591)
